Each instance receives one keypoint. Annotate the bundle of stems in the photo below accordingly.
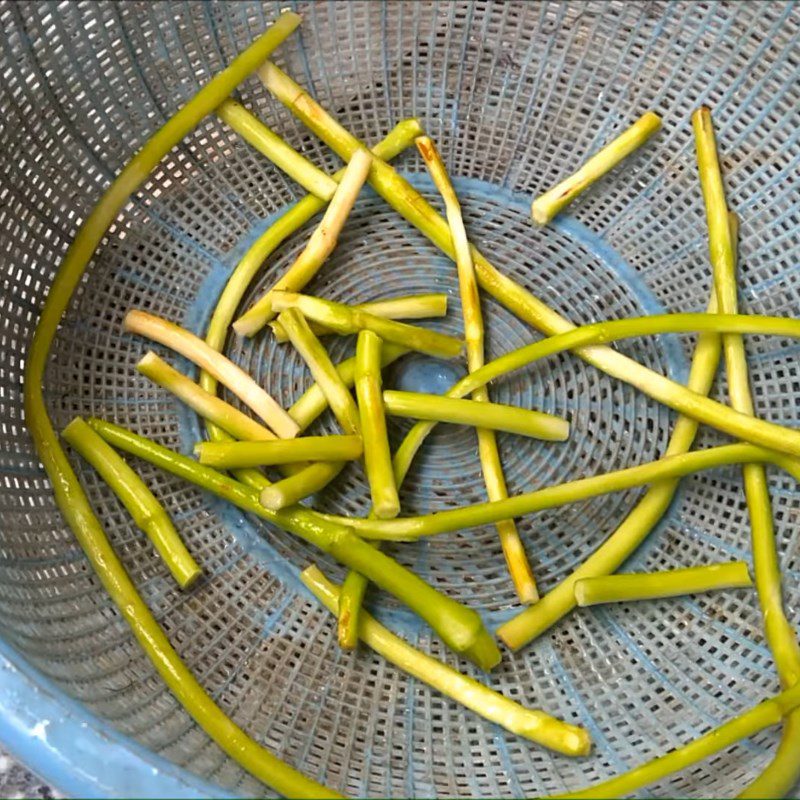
(654, 585)
(535, 725)
(230, 455)
(481, 414)
(415, 306)
(224, 370)
(784, 770)
(349, 319)
(513, 550)
(320, 244)
(458, 626)
(148, 514)
(547, 205)
(69, 494)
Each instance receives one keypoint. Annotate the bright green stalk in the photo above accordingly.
(148, 514)
(460, 627)
(229, 455)
(470, 516)
(282, 155)
(513, 550)
(349, 319)
(320, 245)
(224, 370)
(495, 416)
(783, 772)
(654, 585)
(299, 485)
(70, 496)
(535, 725)
(377, 457)
(414, 306)
(547, 205)
(322, 369)
(400, 137)
(762, 716)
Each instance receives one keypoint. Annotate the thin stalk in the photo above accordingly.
(224, 370)
(535, 725)
(783, 772)
(762, 716)
(470, 516)
(230, 455)
(282, 155)
(634, 529)
(494, 416)
(320, 244)
(459, 627)
(654, 585)
(69, 494)
(513, 550)
(322, 369)
(299, 485)
(348, 319)
(148, 514)
(377, 457)
(415, 306)
(547, 205)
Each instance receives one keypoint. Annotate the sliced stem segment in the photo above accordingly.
(299, 485)
(547, 205)
(495, 416)
(224, 370)
(654, 585)
(349, 319)
(230, 455)
(377, 457)
(535, 725)
(148, 514)
(513, 549)
(415, 306)
(320, 245)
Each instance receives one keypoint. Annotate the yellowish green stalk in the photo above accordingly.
(783, 772)
(69, 495)
(513, 550)
(547, 205)
(320, 245)
(230, 455)
(148, 514)
(322, 369)
(762, 716)
(296, 487)
(653, 585)
(459, 627)
(348, 319)
(494, 416)
(535, 725)
(377, 457)
(415, 306)
(224, 370)
(282, 155)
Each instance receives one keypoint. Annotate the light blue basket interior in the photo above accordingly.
(516, 95)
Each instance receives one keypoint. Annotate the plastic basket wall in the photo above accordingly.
(516, 94)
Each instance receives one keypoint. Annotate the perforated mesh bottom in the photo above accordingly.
(515, 94)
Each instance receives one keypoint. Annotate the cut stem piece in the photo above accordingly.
(148, 514)
(282, 155)
(377, 457)
(547, 205)
(230, 455)
(225, 371)
(416, 306)
(496, 416)
(294, 488)
(513, 550)
(322, 369)
(654, 585)
(348, 319)
(537, 726)
(320, 245)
